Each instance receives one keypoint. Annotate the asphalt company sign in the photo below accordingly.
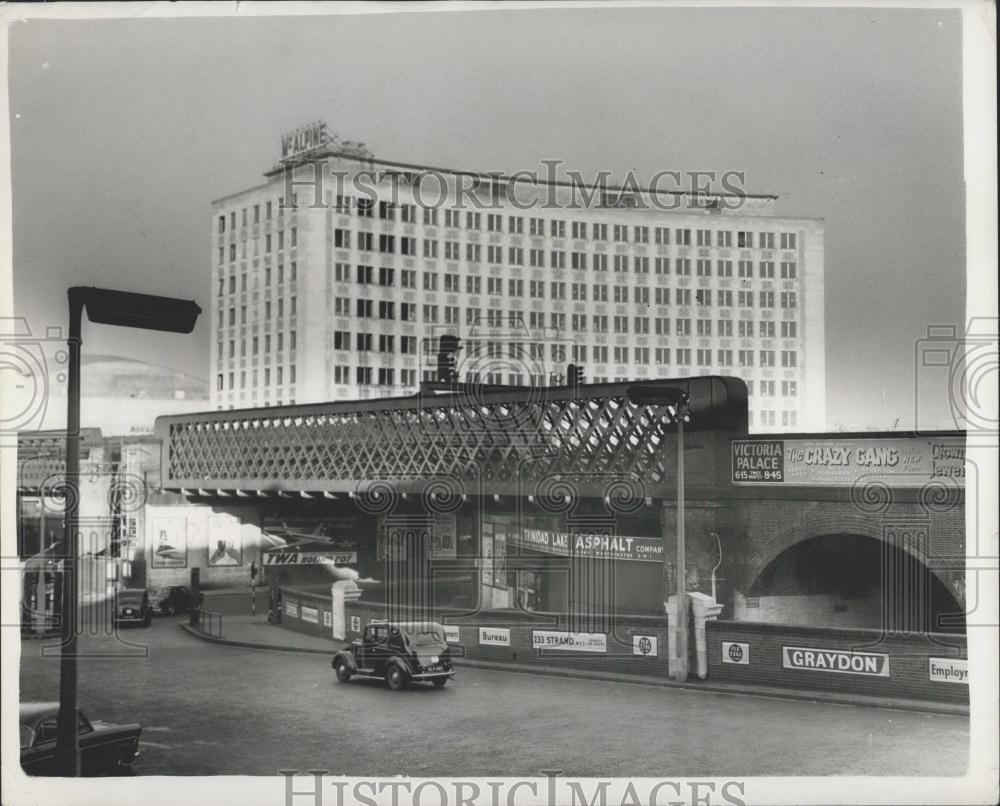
(948, 670)
(585, 544)
(873, 664)
(736, 652)
(833, 462)
(569, 641)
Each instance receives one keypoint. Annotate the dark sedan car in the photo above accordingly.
(132, 607)
(105, 749)
(397, 652)
(171, 599)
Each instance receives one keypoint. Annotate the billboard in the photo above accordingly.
(170, 542)
(836, 462)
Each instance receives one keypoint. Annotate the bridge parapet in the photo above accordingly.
(496, 440)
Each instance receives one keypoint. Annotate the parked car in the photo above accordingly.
(132, 607)
(397, 652)
(105, 749)
(171, 599)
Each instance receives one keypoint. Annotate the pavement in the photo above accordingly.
(256, 632)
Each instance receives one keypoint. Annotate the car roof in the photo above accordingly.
(37, 710)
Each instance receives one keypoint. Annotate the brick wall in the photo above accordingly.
(908, 660)
(618, 655)
(307, 611)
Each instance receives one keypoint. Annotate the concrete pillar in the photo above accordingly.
(342, 591)
(705, 609)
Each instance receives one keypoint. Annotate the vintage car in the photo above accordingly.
(132, 607)
(171, 599)
(105, 749)
(397, 652)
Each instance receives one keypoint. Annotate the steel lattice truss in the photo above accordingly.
(486, 442)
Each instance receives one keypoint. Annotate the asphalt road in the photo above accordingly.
(208, 709)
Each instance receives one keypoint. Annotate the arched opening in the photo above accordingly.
(848, 580)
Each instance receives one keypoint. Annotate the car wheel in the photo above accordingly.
(395, 677)
(342, 671)
(148, 618)
(440, 682)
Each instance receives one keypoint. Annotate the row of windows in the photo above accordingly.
(245, 214)
(407, 311)
(703, 357)
(557, 228)
(269, 275)
(269, 244)
(578, 292)
(255, 344)
(578, 323)
(557, 259)
(386, 376)
(279, 378)
(275, 309)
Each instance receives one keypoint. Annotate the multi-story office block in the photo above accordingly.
(335, 278)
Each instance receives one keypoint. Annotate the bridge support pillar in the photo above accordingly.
(345, 590)
(703, 608)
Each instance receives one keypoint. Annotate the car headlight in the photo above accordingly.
(434, 658)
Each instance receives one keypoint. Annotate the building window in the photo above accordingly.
(789, 359)
(744, 240)
(765, 240)
(788, 240)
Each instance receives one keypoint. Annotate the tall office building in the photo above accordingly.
(335, 278)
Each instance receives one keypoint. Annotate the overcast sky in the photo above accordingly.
(124, 131)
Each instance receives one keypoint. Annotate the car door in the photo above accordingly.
(42, 757)
(373, 647)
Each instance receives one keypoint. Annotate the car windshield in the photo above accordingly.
(26, 736)
(130, 597)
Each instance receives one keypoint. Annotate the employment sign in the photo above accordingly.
(896, 461)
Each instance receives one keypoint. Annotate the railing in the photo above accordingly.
(207, 622)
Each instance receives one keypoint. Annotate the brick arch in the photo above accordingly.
(872, 527)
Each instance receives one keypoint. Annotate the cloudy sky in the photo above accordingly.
(123, 131)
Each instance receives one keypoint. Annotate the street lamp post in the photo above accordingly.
(674, 402)
(106, 307)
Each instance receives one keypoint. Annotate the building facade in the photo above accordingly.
(335, 278)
